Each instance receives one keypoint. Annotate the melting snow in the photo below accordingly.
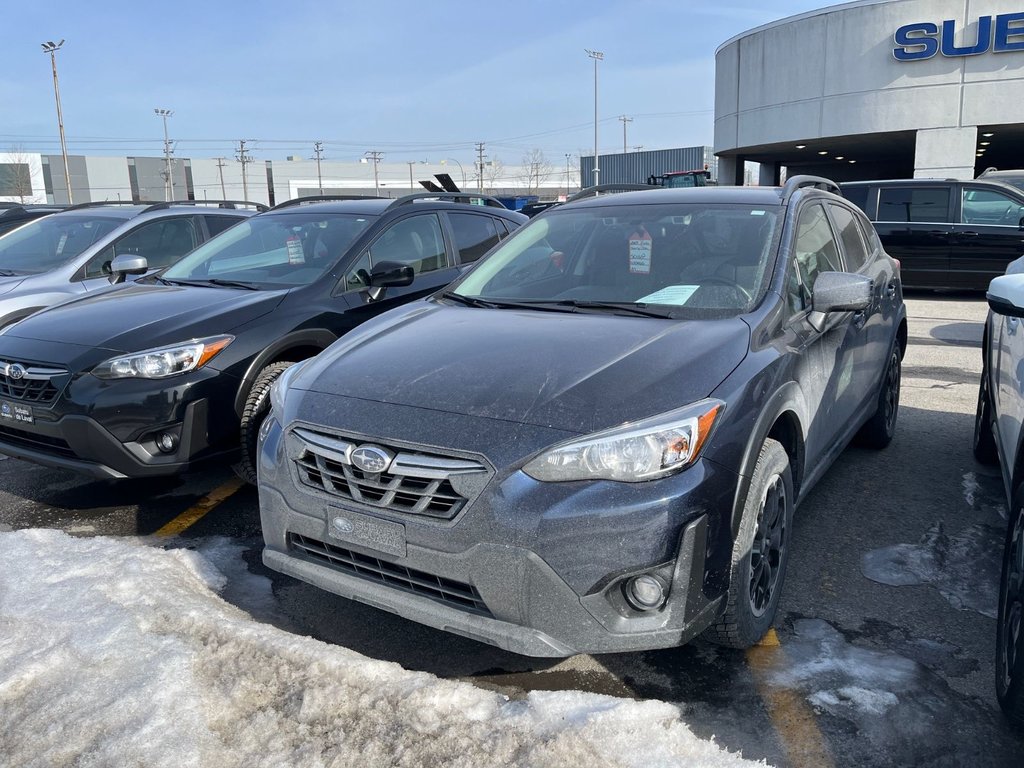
(114, 653)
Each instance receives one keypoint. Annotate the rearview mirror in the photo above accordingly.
(1006, 295)
(127, 264)
(839, 292)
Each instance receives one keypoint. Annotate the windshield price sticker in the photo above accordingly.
(295, 254)
(61, 243)
(640, 252)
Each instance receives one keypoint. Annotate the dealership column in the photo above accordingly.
(945, 153)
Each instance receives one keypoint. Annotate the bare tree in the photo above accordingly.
(493, 171)
(16, 176)
(536, 169)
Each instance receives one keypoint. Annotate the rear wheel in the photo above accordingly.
(760, 552)
(878, 431)
(1010, 637)
(257, 406)
(984, 439)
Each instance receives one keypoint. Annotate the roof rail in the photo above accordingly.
(455, 197)
(802, 181)
(98, 203)
(323, 198)
(232, 204)
(601, 189)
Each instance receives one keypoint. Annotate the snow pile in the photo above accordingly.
(114, 653)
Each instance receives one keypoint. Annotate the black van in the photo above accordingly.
(946, 233)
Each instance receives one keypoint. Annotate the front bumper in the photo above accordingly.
(543, 563)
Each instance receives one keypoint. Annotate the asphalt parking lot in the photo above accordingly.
(882, 654)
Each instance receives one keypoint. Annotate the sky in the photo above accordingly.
(414, 80)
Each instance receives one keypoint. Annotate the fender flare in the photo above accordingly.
(311, 337)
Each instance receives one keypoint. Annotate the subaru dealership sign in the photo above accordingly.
(1000, 34)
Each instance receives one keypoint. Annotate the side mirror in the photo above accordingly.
(127, 264)
(839, 292)
(391, 274)
(1006, 295)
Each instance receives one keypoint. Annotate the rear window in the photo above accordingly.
(920, 204)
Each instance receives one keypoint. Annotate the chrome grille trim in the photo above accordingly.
(34, 385)
(35, 374)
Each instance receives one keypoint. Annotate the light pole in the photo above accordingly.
(52, 48)
(461, 170)
(596, 56)
(318, 149)
(411, 163)
(165, 113)
(567, 176)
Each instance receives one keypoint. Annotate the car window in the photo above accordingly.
(46, 243)
(857, 195)
(416, 241)
(475, 234)
(986, 206)
(814, 252)
(855, 250)
(217, 224)
(920, 204)
(161, 242)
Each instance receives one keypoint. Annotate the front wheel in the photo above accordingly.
(878, 431)
(1010, 625)
(760, 552)
(257, 406)
(984, 440)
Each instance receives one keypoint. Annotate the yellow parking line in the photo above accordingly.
(791, 715)
(200, 508)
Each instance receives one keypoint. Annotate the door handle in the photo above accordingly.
(937, 232)
(967, 234)
(1011, 325)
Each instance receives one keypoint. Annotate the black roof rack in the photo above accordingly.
(455, 197)
(601, 189)
(232, 204)
(802, 182)
(12, 209)
(98, 203)
(323, 198)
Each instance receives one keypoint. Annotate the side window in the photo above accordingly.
(358, 275)
(475, 234)
(986, 206)
(504, 228)
(814, 252)
(217, 224)
(161, 242)
(854, 248)
(921, 204)
(415, 241)
(857, 195)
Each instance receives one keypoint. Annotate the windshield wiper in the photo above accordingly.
(9, 273)
(627, 307)
(476, 301)
(215, 281)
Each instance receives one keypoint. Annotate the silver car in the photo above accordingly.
(69, 253)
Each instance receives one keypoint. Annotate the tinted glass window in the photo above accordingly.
(45, 244)
(695, 259)
(927, 204)
(854, 248)
(217, 224)
(474, 234)
(815, 252)
(986, 206)
(415, 241)
(857, 195)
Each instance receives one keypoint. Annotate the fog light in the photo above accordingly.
(645, 592)
(166, 442)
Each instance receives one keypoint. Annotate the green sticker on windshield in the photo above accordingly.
(676, 295)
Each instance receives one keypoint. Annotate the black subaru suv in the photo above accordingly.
(178, 368)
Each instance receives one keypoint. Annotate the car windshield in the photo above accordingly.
(692, 260)
(272, 251)
(46, 243)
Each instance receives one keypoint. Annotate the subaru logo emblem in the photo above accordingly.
(343, 525)
(370, 458)
(16, 371)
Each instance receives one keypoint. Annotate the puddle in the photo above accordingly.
(964, 567)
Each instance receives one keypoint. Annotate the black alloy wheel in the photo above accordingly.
(768, 550)
(1010, 637)
(984, 445)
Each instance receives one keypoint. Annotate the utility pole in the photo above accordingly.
(596, 56)
(318, 148)
(243, 157)
(480, 163)
(624, 120)
(169, 191)
(410, 163)
(376, 157)
(220, 170)
(568, 178)
(52, 48)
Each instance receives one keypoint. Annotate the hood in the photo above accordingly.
(573, 372)
(130, 318)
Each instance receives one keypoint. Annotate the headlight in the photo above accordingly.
(279, 387)
(646, 450)
(163, 362)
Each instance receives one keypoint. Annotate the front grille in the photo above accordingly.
(448, 591)
(53, 445)
(417, 483)
(29, 383)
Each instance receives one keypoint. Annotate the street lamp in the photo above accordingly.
(165, 113)
(567, 177)
(52, 48)
(596, 56)
(461, 170)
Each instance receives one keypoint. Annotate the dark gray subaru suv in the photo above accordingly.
(595, 439)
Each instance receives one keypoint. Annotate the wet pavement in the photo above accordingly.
(882, 653)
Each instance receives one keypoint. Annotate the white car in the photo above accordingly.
(998, 438)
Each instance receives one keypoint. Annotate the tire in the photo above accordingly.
(760, 552)
(1010, 624)
(879, 430)
(984, 440)
(257, 406)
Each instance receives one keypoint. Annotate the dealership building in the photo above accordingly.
(923, 88)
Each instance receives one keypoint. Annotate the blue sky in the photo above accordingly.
(416, 80)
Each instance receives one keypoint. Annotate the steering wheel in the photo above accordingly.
(716, 280)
